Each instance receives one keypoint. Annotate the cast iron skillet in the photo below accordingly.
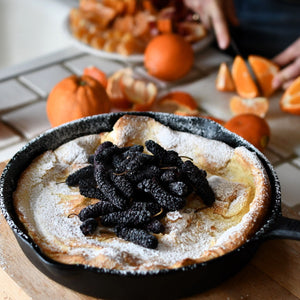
(164, 284)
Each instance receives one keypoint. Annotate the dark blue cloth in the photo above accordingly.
(267, 26)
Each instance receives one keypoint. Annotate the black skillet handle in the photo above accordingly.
(285, 228)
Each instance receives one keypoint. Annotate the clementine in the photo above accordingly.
(290, 101)
(258, 106)
(76, 97)
(224, 80)
(264, 70)
(140, 93)
(96, 74)
(168, 57)
(252, 128)
(245, 85)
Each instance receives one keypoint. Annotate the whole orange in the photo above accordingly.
(96, 74)
(168, 57)
(76, 97)
(252, 128)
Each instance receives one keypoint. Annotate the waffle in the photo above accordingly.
(196, 233)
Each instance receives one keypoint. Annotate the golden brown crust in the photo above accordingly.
(195, 234)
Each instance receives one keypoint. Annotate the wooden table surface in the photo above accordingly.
(273, 273)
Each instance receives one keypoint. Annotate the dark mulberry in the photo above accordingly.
(153, 207)
(88, 226)
(95, 210)
(197, 177)
(105, 152)
(124, 186)
(179, 188)
(91, 159)
(108, 189)
(118, 160)
(131, 218)
(155, 226)
(170, 175)
(165, 199)
(148, 172)
(137, 236)
(90, 191)
(165, 157)
(74, 178)
(134, 161)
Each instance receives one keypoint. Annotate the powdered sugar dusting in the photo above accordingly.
(43, 203)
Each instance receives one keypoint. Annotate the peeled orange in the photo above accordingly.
(141, 94)
(115, 91)
(252, 128)
(264, 70)
(178, 102)
(224, 81)
(258, 106)
(168, 57)
(290, 101)
(245, 85)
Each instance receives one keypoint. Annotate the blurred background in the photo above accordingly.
(31, 28)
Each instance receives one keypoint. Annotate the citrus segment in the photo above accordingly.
(290, 101)
(224, 81)
(252, 128)
(258, 106)
(168, 57)
(245, 85)
(264, 70)
(294, 87)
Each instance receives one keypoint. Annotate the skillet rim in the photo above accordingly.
(203, 124)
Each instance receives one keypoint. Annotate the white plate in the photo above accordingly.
(134, 58)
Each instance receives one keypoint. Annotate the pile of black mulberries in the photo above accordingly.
(135, 189)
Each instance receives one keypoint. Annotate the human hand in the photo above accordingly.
(289, 59)
(216, 14)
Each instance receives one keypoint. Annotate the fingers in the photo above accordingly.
(287, 75)
(219, 23)
(289, 54)
(212, 15)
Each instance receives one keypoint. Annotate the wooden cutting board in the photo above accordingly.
(274, 272)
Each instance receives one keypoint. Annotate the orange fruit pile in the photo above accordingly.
(241, 81)
(168, 57)
(290, 101)
(252, 93)
(252, 128)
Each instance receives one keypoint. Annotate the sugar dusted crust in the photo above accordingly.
(194, 234)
